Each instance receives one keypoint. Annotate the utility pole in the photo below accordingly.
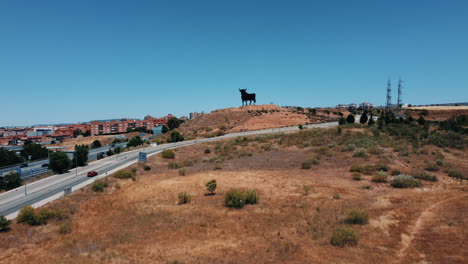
(388, 105)
(399, 93)
(76, 162)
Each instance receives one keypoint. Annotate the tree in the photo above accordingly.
(117, 150)
(363, 118)
(342, 121)
(4, 224)
(175, 137)
(174, 123)
(11, 180)
(211, 186)
(371, 121)
(164, 129)
(135, 141)
(59, 162)
(34, 150)
(80, 157)
(421, 120)
(350, 119)
(96, 144)
(8, 158)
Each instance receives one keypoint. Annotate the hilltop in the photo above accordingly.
(254, 117)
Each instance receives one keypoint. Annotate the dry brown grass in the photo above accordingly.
(140, 222)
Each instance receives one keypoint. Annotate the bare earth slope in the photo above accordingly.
(251, 117)
(140, 221)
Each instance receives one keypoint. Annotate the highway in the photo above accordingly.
(51, 188)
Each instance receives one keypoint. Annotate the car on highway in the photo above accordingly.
(92, 173)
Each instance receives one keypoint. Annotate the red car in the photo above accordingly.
(92, 174)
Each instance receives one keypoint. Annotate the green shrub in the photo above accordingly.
(356, 176)
(405, 181)
(360, 152)
(375, 150)
(134, 170)
(168, 154)
(380, 166)
(234, 198)
(431, 167)
(182, 172)
(65, 228)
(305, 165)
(184, 198)
(455, 174)
(366, 187)
(211, 186)
(381, 176)
(207, 151)
(124, 174)
(336, 196)
(251, 197)
(364, 169)
(98, 186)
(173, 165)
(395, 172)
(440, 163)
(218, 166)
(357, 217)
(424, 175)
(27, 216)
(306, 189)
(147, 168)
(348, 148)
(344, 236)
(4, 224)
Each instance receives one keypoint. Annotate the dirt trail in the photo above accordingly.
(426, 216)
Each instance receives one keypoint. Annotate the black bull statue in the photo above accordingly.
(247, 97)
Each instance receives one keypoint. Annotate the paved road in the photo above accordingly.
(43, 190)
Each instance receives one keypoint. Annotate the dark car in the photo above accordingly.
(24, 165)
(45, 165)
(92, 174)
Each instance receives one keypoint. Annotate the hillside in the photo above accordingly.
(140, 220)
(253, 117)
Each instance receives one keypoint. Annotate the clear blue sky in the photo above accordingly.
(70, 61)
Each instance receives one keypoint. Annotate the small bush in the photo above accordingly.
(375, 150)
(344, 236)
(305, 165)
(234, 198)
(218, 167)
(207, 151)
(65, 228)
(173, 165)
(440, 163)
(98, 186)
(168, 154)
(134, 170)
(306, 189)
(364, 169)
(211, 186)
(431, 167)
(147, 168)
(361, 153)
(336, 196)
(251, 197)
(182, 172)
(184, 198)
(366, 187)
(405, 181)
(356, 176)
(455, 174)
(4, 224)
(395, 172)
(380, 177)
(349, 147)
(357, 217)
(124, 174)
(27, 216)
(424, 175)
(380, 166)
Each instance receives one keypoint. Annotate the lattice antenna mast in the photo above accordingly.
(400, 86)
(389, 95)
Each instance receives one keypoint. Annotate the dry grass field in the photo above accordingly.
(140, 221)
